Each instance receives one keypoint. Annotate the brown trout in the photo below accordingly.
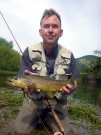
(37, 82)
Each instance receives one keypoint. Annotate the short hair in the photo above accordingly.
(48, 13)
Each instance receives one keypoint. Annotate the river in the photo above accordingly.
(89, 93)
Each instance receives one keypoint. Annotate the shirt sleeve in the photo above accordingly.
(73, 67)
(26, 63)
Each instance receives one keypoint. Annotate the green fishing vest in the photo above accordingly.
(38, 59)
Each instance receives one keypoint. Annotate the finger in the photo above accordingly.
(38, 90)
(69, 86)
(26, 72)
(61, 90)
(65, 89)
(31, 90)
(34, 90)
(26, 90)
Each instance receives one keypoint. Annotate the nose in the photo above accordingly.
(50, 29)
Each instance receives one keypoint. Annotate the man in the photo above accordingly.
(47, 58)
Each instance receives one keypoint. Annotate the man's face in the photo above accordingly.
(50, 30)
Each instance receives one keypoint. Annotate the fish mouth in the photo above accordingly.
(10, 81)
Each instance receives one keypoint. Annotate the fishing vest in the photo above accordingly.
(39, 64)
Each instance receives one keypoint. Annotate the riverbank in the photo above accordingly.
(84, 119)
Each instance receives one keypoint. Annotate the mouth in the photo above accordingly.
(50, 36)
(9, 82)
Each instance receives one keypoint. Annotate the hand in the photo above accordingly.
(68, 88)
(30, 90)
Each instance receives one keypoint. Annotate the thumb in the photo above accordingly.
(27, 72)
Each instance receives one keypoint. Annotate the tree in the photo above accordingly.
(9, 58)
(97, 67)
(4, 42)
(97, 52)
(88, 65)
(93, 65)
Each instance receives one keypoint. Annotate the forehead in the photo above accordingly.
(51, 20)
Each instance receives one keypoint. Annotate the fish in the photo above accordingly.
(43, 83)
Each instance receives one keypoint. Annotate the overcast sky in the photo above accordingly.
(81, 22)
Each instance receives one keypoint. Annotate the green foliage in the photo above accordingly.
(90, 65)
(4, 42)
(83, 76)
(97, 52)
(4, 75)
(83, 111)
(11, 100)
(86, 63)
(9, 59)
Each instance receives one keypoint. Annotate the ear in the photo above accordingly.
(61, 33)
(40, 32)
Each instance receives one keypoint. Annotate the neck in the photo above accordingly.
(49, 48)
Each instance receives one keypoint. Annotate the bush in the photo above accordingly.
(9, 59)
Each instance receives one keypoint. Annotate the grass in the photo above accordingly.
(10, 102)
(85, 112)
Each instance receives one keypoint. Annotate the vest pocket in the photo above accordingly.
(62, 67)
(36, 61)
(37, 66)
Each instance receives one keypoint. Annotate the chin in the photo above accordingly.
(51, 42)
